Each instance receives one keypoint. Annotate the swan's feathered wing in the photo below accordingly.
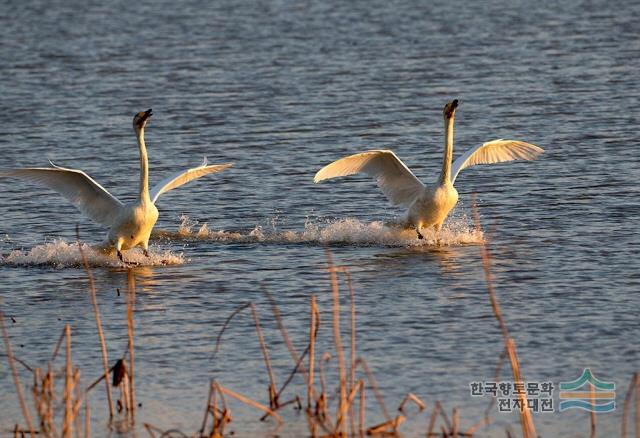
(495, 151)
(80, 189)
(395, 179)
(183, 177)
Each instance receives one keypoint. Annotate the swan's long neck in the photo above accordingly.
(144, 167)
(445, 175)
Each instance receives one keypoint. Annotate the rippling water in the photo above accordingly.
(281, 88)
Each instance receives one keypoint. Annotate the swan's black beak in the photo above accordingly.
(140, 119)
(450, 108)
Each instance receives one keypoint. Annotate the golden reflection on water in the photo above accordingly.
(447, 257)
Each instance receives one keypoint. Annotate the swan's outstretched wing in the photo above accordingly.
(183, 177)
(395, 179)
(496, 151)
(87, 195)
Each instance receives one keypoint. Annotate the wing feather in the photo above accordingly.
(179, 178)
(395, 179)
(496, 151)
(93, 200)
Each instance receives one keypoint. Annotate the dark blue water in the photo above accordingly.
(281, 88)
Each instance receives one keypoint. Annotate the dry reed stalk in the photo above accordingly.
(290, 378)
(388, 427)
(248, 402)
(321, 409)
(25, 365)
(311, 424)
(526, 419)
(352, 298)
(326, 426)
(312, 345)
(131, 293)
(208, 408)
(295, 400)
(481, 423)
(57, 347)
(273, 400)
(67, 425)
(347, 407)
(96, 313)
(45, 399)
(299, 360)
(126, 392)
(437, 409)
(214, 412)
(78, 402)
(226, 324)
(285, 335)
(219, 424)
(101, 378)
(321, 404)
(352, 359)
(221, 417)
(455, 420)
(337, 339)
(150, 429)
(274, 396)
(35, 392)
(225, 418)
(496, 378)
(16, 377)
(223, 400)
(376, 391)
(362, 411)
(627, 402)
(325, 417)
(411, 397)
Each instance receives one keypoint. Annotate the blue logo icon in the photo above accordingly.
(588, 393)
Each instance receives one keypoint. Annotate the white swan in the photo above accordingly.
(129, 225)
(428, 205)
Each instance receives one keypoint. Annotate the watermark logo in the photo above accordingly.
(598, 396)
(586, 393)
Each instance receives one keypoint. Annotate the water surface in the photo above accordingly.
(282, 88)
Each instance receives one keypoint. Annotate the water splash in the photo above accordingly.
(61, 254)
(458, 231)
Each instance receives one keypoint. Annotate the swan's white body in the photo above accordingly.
(428, 205)
(129, 225)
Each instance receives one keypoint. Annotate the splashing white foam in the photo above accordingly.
(458, 231)
(349, 231)
(61, 254)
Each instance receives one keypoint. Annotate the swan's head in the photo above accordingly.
(450, 109)
(140, 119)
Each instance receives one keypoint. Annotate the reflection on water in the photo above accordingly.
(447, 257)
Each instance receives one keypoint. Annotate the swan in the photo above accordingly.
(129, 225)
(428, 205)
